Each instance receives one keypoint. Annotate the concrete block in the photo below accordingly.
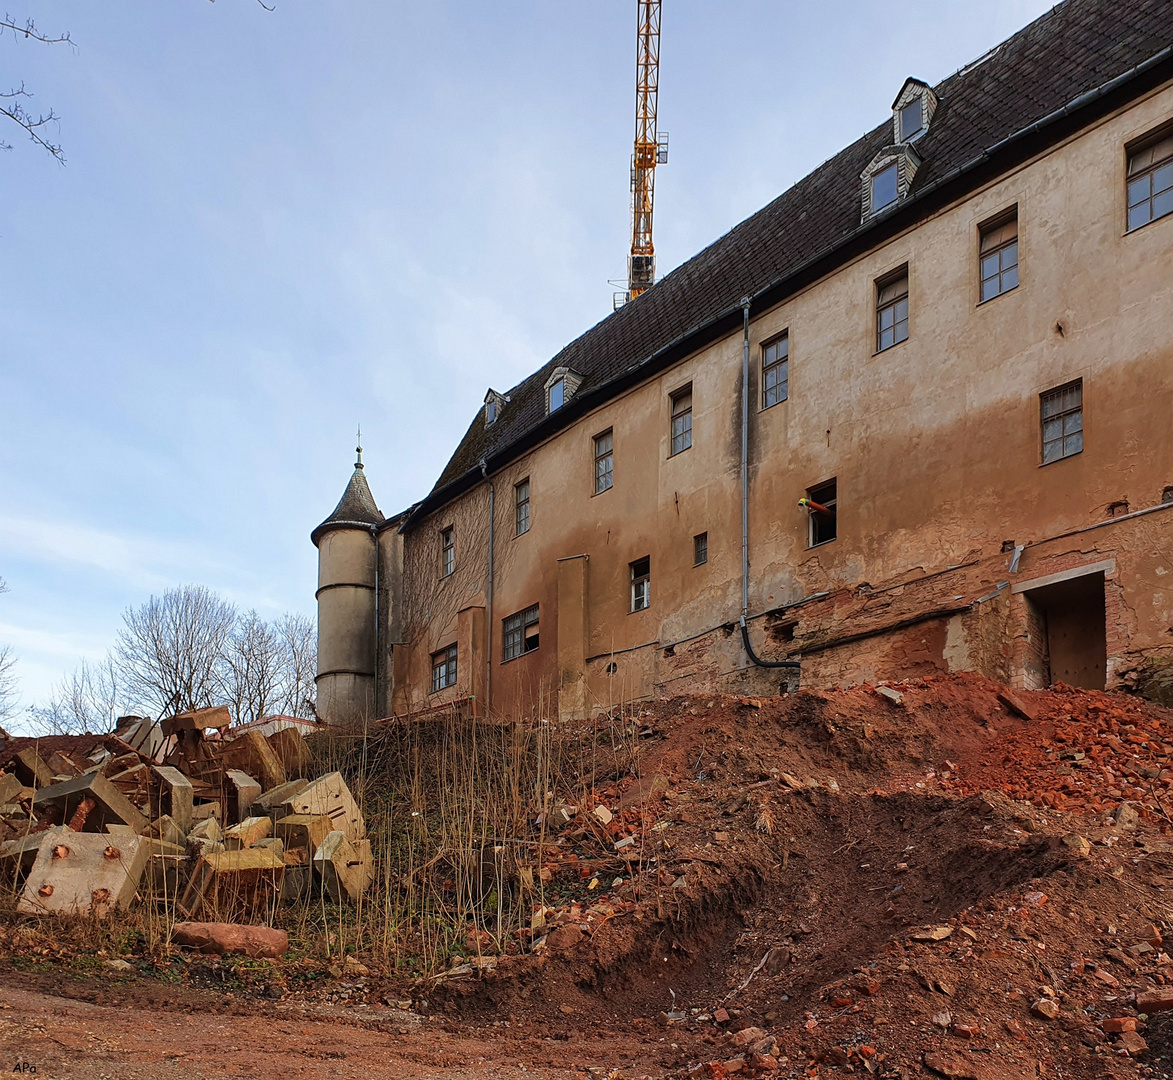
(31, 768)
(230, 883)
(108, 804)
(297, 885)
(247, 832)
(242, 793)
(165, 828)
(17, 856)
(292, 751)
(273, 844)
(203, 811)
(330, 796)
(166, 875)
(217, 716)
(62, 766)
(175, 796)
(10, 788)
(344, 867)
(303, 831)
(83, 874)
(142, 733)
(208, 829)
(273, 800)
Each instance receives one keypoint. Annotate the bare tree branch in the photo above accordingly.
(8, 691)
(35, 125)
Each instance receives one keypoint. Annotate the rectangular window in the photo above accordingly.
(776, 371)
(999, 256)
(892, 310)
(447, 551)
(604, 462)
(557, 396)
(641, 584)
(1061, 412)
(444, 668)
(885, 188)
(521, 503)
(681, 420)
(700, 549)
(520, 633)
(821, 505)
(912, 119)
(1150, 182)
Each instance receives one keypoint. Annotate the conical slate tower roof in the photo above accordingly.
(356, 508)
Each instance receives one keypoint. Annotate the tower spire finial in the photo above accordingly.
(358, 449)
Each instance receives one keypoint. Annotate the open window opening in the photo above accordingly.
(641, 584)
(520, 633)
(821, 503)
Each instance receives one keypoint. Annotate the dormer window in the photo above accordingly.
(494, 403)
(912, 111)
(885, 187)
(912, 120)
(560, 388)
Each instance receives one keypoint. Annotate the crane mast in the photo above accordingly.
(651, 149)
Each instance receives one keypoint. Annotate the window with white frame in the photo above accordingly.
(604, 462)
(444, 668)
(892, 310)
(776, 371)
(1150, 181)
(641, 583)
(447, 551)
(999, 256)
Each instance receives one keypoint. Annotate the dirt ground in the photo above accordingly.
(937, 878)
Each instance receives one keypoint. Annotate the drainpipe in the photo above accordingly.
(793, 664)
(745, 459)
(489, 593)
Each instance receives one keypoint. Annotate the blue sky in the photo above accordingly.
(275, 225)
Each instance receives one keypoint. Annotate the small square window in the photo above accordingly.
(700, 549)
(1150, 182)
(557, 395)
(912, 119)
(1061, 415)
(641, 584)
(447, 551)
(885, 188)
(776, 371)
(892, 311)
(604, 462)
(681, 420)
(444, 668)
(520, 633)
(998, 256)
(521, 507)
(821, 508)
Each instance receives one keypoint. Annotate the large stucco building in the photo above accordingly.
(953, 340)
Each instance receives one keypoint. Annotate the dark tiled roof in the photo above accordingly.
(356, 508)
(1075, 48)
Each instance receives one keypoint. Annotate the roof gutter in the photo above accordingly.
(1016, 147)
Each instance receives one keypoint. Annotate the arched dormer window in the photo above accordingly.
(560, 388)
(887, 179)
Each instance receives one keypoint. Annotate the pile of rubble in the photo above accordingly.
(218, 824)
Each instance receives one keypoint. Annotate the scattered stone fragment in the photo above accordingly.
(1126, 818)
(1159, 999)
(1077, 845)
(1131, 1043)
(603, 814)
(932, 933)
(894, 696)
(1045, 1009)
(1119, 1024)
(224, 938)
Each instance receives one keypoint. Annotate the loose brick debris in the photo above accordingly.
(165, 811)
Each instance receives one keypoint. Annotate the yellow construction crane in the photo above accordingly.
(651, 149)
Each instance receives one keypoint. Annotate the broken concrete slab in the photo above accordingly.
(165, 828)
(247, 832)
(224, 938)
(176, 798)
(292, 751)
(273, 844)
(31, 768)
(83, 874)
(242, 793)
(889, 694)
(10, 788)
(18, 855)
(273, 801)
(303, 831)
(343, 866)
(250, 753)
(217, 716)
(71, 798)
(330, 796)
(232, 882)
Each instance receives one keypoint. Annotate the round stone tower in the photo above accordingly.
(347, 590)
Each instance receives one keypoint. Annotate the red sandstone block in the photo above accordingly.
(1119, 1024)
(1156, 1000)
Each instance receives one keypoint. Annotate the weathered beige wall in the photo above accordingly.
(935, 445)
(346, 625)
